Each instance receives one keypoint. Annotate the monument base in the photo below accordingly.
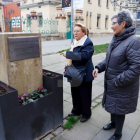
(35, 119)
(21, 61)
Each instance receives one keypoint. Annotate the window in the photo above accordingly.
(90, 20)
(98, 20)
(40, 20)
(106, 22)
(87, 19)
(28, 21)
(107, 3)
(138, 15)
(99, 2)
(18, 4)
(25, 1)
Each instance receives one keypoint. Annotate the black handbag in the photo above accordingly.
(75, 74)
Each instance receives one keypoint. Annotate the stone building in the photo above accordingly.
(52, 19)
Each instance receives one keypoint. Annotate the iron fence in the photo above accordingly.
(17, 24)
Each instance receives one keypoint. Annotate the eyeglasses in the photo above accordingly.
(76, 31)
(113, 23)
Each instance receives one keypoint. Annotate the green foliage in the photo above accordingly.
(52, 138)
(97, 49)
(71, 120)
(100, 48)
(46, 73)
(68, 125)
(28, 98)
(97, 104)
(63, 50)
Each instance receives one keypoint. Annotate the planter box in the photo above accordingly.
(31, 121)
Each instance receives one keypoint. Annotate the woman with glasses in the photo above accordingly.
(80, 56)
(122, 70)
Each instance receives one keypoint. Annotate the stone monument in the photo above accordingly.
(21, 61)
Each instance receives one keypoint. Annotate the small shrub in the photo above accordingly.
(68, 125)
(71, 120)
(28, 98)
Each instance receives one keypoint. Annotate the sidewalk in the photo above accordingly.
(58, 45)
(92, 129)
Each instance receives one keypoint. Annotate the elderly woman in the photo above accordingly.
(80, 56)
(122, 70)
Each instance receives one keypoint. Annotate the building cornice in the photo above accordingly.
(39, 4)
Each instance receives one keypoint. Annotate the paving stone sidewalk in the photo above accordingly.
(92, 129)
(58, 45)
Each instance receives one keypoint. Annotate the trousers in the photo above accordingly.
(81, 99)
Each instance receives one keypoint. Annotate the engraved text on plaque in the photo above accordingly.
(23, 47)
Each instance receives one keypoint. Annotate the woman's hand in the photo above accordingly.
(95, 72)
(116, 84)
(63, 53)
(64, 71)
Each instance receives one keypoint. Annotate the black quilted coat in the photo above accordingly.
(122, 65)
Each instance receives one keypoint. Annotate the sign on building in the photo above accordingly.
(77, 4)
(66, 4)
(15, 22)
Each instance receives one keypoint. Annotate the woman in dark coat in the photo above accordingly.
(80, 56)
(122, 70)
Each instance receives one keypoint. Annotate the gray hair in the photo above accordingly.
(126, 16)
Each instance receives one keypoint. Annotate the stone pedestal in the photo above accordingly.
(25, 75)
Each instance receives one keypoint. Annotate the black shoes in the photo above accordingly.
(83, 120)
(109, 126)
(115, 138)
(72, 114)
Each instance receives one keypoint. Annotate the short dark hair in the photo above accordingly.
(124, 15)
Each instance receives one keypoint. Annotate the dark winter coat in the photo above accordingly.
(122, 65)
(82, 55)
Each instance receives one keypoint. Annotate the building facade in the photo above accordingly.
(52, 19)
(1, 18)
(12, 18)
(48, 17)
(96, 15)
(40, 14)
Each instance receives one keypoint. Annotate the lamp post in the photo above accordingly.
(71, 21)
(127, 4)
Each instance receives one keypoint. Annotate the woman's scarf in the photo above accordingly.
(76, 44)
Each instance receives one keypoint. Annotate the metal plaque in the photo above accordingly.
(23, 47)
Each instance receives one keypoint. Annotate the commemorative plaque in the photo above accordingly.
(23, 47)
